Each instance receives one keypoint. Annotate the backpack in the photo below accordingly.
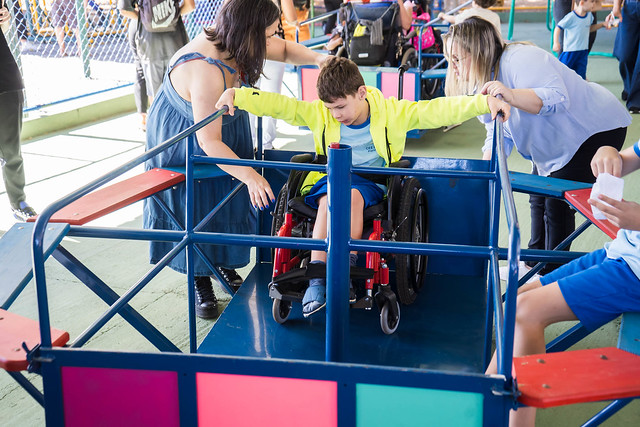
(158, 16)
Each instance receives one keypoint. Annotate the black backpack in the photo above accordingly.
(159, 16)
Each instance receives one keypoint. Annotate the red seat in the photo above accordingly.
(578, 199)
(563, 378)
(113, 197)
(14, 330)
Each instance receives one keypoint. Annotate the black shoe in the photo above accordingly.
(23, 211)
(352, 293)
(206, 301)
(231, 277)
(634, 110)
(624, 95)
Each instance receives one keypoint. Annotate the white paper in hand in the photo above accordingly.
(608, 185)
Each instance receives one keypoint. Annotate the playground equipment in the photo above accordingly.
(429, 371)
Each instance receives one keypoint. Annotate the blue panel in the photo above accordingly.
(542, 185)
(15, 257)
(458, 213)
(629, 339)
(444, 329)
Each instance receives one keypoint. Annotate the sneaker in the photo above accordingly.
(206, 301)
(634, 110)
(522, 270)
(231, 277)
(314, 299)
(23, 211)
(352, 293)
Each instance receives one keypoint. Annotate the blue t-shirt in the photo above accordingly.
(363, 152)
(627, 243)
(576, 31)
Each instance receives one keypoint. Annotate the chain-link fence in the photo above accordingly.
(68, 48)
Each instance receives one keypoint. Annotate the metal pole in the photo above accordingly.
(338, 236)
(84, 41)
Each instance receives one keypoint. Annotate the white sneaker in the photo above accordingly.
(522, 270)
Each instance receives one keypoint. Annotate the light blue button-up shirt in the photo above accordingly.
(572, 111)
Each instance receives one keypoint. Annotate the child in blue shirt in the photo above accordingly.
(577, 25)
(593, 289)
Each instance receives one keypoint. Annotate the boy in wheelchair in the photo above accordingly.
(359, 116)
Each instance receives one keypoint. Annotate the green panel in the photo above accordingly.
(407, 406)
(370, 78)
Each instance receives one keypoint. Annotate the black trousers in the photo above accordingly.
(553, 220)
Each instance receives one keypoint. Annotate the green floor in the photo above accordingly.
(118, 263)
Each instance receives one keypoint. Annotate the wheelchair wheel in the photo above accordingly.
(410, 56)
(388, 322)
(431, 88)
(412, 219)
(280, 310)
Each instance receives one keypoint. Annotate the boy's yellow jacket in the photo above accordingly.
(391, 118)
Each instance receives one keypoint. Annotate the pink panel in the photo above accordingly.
(240, 400)
(389, 85)
(309, 77)
(119, 397)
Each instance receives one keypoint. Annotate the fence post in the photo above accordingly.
(84, 41)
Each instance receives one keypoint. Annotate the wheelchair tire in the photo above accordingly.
(410, 56)
(280, 310)
(431, 88)
(388, 322)
(279, 209)
(413, 222)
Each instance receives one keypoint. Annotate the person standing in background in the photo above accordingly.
(155, 49)
(627, 50)
(11, 102)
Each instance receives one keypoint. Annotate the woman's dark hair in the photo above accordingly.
(240, 30)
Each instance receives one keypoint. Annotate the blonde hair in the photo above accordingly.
(479, 39)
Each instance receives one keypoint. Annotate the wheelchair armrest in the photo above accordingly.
(402, 163)
(302, 158)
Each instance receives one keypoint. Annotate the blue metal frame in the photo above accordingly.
(499, 390)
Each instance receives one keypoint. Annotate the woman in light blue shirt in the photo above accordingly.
(559, 122)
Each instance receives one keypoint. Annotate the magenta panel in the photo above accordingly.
(119, 397)
(389, 85)
(241, 400)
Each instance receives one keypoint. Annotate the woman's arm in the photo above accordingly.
(406, 14)
(187, 6)
(205, 85)
(289, 11)
(293, 53)
(523, 99)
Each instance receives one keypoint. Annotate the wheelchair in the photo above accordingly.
(397, 49)
(402, 216)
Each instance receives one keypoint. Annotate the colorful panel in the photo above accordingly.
(407, 406)
(119, 397)
(370, 78)
(308, 79)
(241, 400)
(389, 85)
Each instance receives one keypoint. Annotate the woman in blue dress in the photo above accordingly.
(227, 55)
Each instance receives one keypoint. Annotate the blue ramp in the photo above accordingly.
(443, 329)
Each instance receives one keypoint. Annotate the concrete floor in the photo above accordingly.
(61, 162)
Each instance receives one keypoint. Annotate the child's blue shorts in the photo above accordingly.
(596, 288)
(371, 192)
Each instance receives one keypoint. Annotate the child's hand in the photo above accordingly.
(441, 15)
(607, 159)
(495, 88)
(497, 106)
(226, 99)
(556, 47)
(621, 213)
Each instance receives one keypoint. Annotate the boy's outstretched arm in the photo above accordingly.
(226, 99)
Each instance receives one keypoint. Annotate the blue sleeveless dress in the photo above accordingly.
(170, 114)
